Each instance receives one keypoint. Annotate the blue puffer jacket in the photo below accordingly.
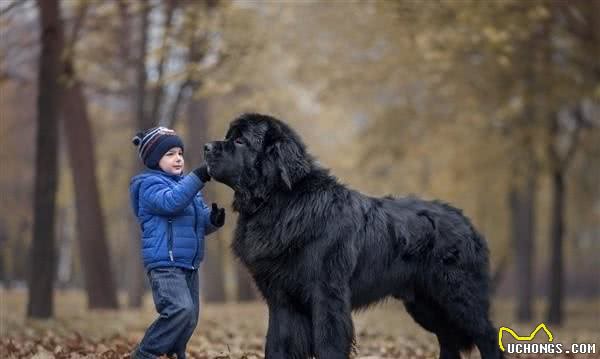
(173, 217)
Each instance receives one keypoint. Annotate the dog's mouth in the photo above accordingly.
(212, 164)
(210, 161)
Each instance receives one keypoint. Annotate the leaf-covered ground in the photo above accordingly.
(228, 331)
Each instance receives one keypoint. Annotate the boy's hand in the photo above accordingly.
(217, 216)
(202, 173)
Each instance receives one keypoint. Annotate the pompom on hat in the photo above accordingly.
(153, 143)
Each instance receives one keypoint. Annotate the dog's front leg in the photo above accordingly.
(333, 331)
(289, 333)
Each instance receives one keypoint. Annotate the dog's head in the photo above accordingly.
(260, 154)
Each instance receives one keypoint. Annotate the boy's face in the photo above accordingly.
(172, 161)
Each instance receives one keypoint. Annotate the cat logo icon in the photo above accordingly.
(529, 338)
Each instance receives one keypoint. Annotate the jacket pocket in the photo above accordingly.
(170, 238)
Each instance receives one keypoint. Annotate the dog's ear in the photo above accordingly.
(287, 152)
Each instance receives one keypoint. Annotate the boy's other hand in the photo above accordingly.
(217, 216)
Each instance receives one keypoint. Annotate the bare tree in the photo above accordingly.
(159, 90)
(522, 208)
(566, 127)
(91, 228)
(136, 278)
(43, 254)
(566, 132)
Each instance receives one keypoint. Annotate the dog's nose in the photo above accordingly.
(208, 147)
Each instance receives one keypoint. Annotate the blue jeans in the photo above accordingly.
(176, 297)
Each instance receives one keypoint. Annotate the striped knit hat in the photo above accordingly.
(153, 143)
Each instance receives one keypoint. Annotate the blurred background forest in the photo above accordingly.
(491, 105)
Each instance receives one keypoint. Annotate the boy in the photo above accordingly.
(174, 221)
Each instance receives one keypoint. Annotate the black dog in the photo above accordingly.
(317, 249)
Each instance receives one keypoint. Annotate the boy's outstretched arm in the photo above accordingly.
(162, 200)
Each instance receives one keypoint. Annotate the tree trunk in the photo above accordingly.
(561, 162)
(43, 254)
(136, 276)
(5, 243)
(91, 228)
(157, 98)
(246, 291)
(522, 204)
(65, 249)
(136, 280)
(523, 192)
(213, 289)
(555, 310)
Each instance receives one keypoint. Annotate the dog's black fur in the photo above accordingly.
(317, 249)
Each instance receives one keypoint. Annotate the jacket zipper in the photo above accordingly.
(196, 231)
(170, 238)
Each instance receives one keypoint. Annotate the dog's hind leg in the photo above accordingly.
(481, 330)
(488, 344)
(432, 318)
(475, 322)
(466, 307)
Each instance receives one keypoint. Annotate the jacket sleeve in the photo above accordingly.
(206, 210)
(163, 200)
